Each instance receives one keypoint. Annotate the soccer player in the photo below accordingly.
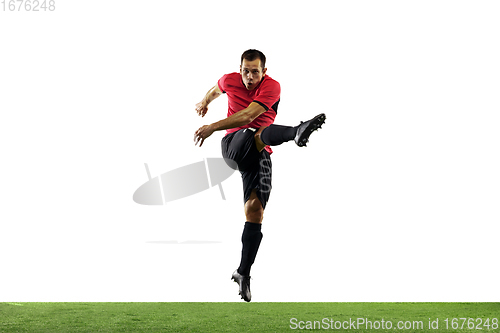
(253, 99)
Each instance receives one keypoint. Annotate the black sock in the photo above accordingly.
(274, 135)
(250, 238)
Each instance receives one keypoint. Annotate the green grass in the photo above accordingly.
(232, 317)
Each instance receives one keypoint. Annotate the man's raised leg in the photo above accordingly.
(274, 135)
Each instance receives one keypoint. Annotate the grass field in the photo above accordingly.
(248, 317)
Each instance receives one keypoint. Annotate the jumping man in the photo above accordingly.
(253, 99)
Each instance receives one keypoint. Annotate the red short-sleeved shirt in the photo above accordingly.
(267, 94)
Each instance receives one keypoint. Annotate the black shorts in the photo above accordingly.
(239, 150)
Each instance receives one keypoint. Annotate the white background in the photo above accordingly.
(395, 199)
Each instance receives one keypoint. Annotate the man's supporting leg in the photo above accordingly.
(252, 235)
(250, 239)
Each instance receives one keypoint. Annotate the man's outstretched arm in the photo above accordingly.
(240, 118)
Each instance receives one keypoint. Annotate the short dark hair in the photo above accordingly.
(252, 54)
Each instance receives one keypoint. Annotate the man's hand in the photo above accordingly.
(202, 133)
(202, 108)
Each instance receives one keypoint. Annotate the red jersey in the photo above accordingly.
(267, 94)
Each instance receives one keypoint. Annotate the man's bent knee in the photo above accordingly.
(258, 142)
(254, 211)
(254, 216)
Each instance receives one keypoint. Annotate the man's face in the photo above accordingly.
(252, 73)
